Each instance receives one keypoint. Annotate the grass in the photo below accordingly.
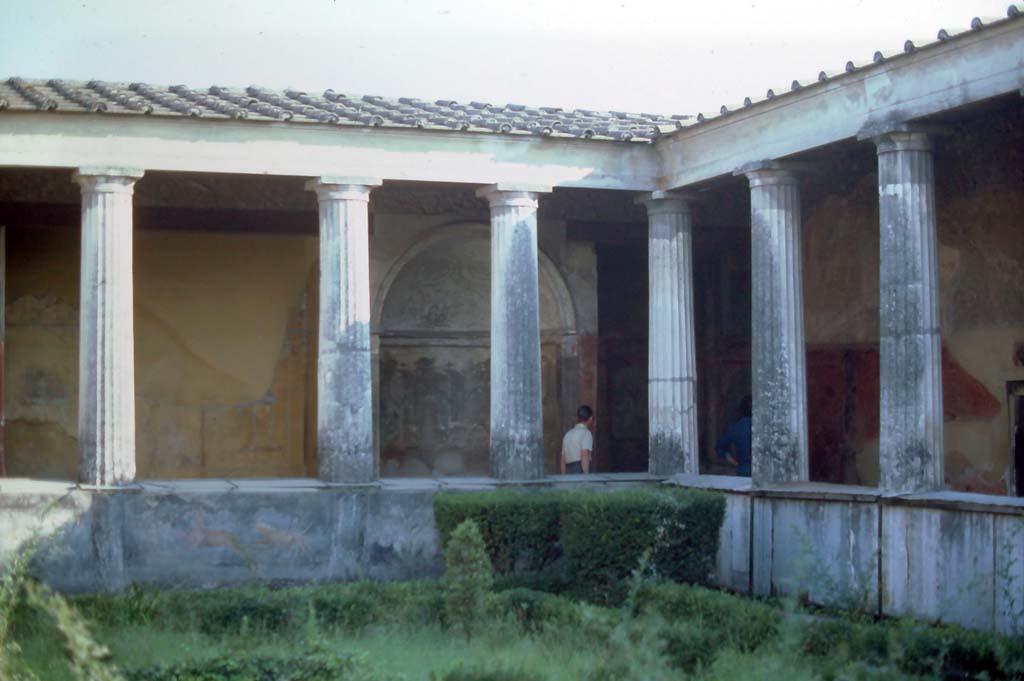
(388, 652)
(398, 632)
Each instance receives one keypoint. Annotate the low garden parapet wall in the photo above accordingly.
(946, 556)
(942, 556)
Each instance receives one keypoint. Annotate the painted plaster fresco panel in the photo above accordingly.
(434, 411)
(237, 537)
(41, 359)
(206, 534)
(221, 324)
(446, 287)
(434, 396)
(979, 200)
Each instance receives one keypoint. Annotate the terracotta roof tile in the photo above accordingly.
(334, 108)
(330, 107)
(879, 57)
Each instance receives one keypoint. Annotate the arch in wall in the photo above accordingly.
(431, 327)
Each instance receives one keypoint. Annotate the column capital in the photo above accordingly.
(343, 187)
(666, 201)
(891, 136)
(903, 141)
(770, 171)
(107, 179)
(512, 193)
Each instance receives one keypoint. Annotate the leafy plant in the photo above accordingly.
(319, 665)
(586, 543)
(500, 674)
(467, 577)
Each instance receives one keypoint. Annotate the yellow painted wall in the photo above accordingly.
(222, 336)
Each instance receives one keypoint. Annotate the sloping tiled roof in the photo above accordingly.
(254, 103)
(909, 47)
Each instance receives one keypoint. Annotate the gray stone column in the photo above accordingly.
(106, 334)
(517, 448)
(672, 366)
(344, 377)
(910, 353)
(777, 334)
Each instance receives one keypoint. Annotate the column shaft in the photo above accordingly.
(517, 450)
(106, 355)
(344, 378)
(672, 367)
(777, 334)
(910, 353)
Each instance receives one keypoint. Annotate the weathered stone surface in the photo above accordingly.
(106, 369)
(933, 554)
(345, 451)
(516, 424)
(949, 555)
(911, 446)
(779, 360)
(672, 361)
(824, 549)
(1009, 572)
(938, 564)
(203, 536)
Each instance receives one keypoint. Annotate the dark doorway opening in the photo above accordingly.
(1015, 394)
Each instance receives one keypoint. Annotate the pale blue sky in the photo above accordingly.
(669, 56)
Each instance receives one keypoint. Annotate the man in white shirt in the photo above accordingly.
(578, 443)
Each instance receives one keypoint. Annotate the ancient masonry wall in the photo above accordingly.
(945, 556)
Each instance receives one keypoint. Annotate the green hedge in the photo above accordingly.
(488, 675)
(520, 529)
(321, 666)
(347, 606)
(587, 542)
(740, 622)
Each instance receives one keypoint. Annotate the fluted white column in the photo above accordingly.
(910, 353)
(106, 335)
(344, 377)
(517, 448)
(777, 335)
(672, 365)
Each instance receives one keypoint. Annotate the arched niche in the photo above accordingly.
(432, 315)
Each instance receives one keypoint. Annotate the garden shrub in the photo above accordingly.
(586, 543)
(689, 646)
(738, 621)
(356, 605)
(912, 647)
(259, 610)
(348, 606)
(535, 609)
(488, 675)
(519, 528)
(467, 577)
(946, 651)
(604, 537)
(316, 666)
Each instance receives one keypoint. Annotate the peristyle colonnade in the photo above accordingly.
(911, 454)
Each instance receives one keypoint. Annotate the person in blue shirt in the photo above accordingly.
(738, 438)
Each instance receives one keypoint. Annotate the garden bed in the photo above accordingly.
(371, 631)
